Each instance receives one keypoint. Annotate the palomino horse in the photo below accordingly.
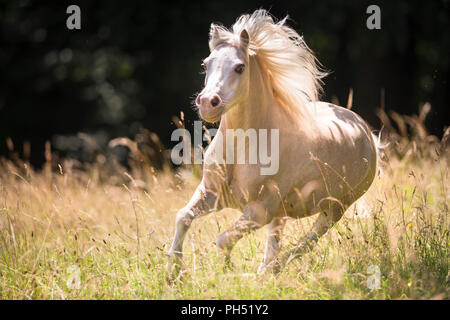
(261, 75)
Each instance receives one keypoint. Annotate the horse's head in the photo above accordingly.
(226, 75)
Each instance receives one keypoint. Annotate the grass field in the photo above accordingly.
(68, 233)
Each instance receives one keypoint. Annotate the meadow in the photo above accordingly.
(96, 231)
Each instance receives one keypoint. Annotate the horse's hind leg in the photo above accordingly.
(325, 220)
(274, 231)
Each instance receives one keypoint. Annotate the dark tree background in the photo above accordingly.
(135, 64)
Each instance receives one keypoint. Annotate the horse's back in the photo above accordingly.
(339, 123)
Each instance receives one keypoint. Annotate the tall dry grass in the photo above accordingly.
(95, 231)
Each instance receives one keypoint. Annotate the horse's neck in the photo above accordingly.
(245, 116)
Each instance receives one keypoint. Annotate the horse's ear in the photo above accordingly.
(213, 35)
(245, 39)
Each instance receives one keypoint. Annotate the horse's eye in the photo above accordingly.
(240, 68)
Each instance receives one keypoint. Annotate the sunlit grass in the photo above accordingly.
(116, 231)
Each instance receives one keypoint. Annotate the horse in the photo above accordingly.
(261, 74)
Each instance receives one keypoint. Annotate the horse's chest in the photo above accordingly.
(244, 182)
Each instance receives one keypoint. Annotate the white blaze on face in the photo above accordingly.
(225, 80)
(222, 72)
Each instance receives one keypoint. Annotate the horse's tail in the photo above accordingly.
(379, 149)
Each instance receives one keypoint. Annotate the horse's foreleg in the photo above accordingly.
(201, 203)
(255, 216)
(324, 222)
(274, 231)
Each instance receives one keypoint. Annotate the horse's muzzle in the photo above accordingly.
(209, 107)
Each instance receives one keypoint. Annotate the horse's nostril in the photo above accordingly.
(215, 101)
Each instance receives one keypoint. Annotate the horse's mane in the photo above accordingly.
(293, 70)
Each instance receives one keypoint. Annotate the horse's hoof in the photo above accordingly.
(301, 249)
(262, 269)
(228, 265)
(174, 268)
(273, 267)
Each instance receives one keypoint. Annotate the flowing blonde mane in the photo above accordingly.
(292, 68)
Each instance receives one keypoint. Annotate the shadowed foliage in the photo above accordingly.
(136, 64)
